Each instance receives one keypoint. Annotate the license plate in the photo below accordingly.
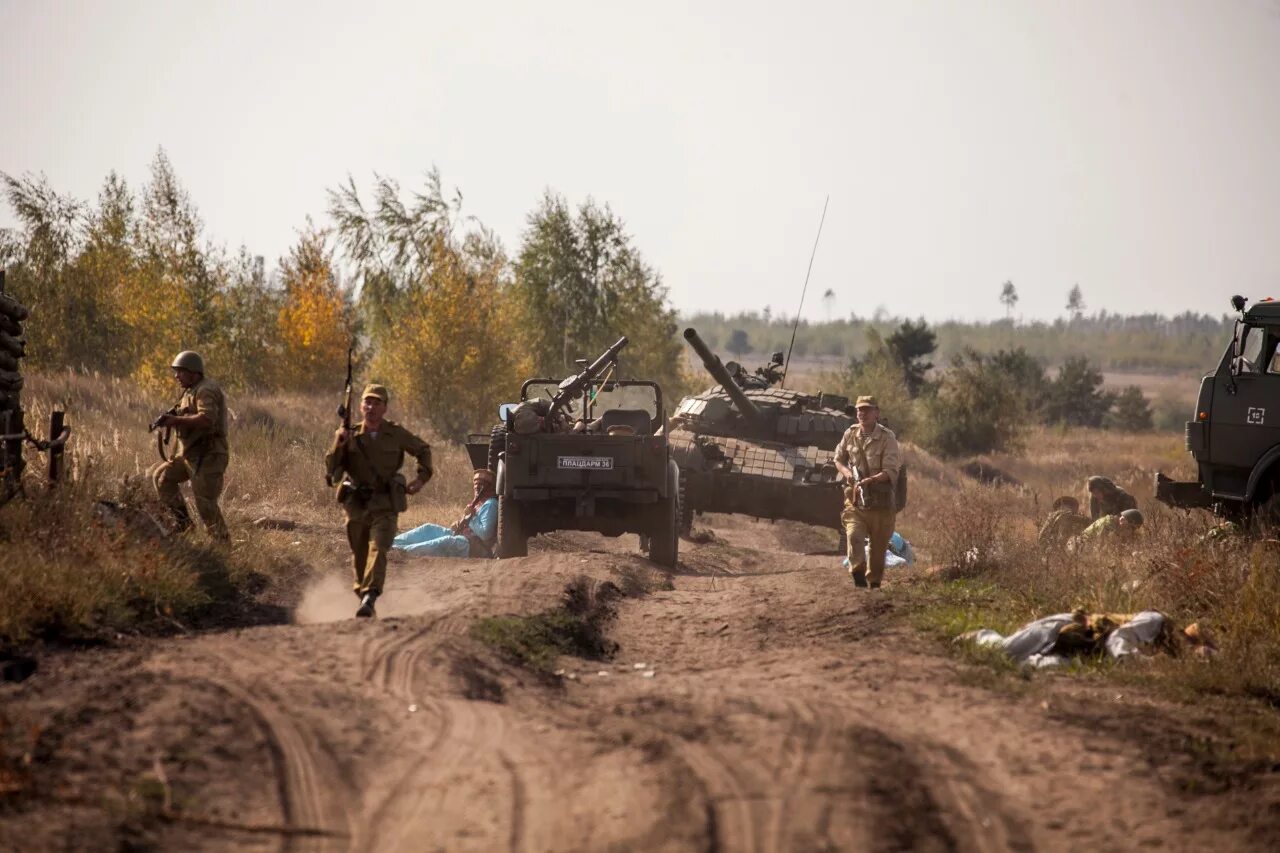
(585, 463)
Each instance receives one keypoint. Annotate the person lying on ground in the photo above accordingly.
(473, 535)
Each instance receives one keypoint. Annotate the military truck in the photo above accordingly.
(1234, 432)
(593, 456)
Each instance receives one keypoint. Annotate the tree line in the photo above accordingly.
(430, 298)
(982, 402)
(1187, 342)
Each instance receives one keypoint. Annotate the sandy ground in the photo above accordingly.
(755, 701)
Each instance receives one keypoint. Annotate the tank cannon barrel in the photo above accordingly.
(718, 372)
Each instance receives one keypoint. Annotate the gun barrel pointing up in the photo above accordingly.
(711, 362)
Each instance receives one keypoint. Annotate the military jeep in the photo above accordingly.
(606, 467)
(1234, 433)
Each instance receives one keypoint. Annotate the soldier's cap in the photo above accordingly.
(866, 401)
(379, 391)
(1132, 516)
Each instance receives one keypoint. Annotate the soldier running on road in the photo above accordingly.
(372, 492)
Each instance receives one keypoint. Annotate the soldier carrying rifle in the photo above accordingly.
(200, 420)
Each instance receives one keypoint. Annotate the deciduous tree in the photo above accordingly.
(314, 323)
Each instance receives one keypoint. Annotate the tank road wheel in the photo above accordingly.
(512, 539)
(686, 508)
(497, 444)
(664, 531)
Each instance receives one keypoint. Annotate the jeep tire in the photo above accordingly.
(686, 508)
(664, 528)
(512, 539)
(497, 444)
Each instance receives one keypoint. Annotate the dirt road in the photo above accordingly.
(755, 701)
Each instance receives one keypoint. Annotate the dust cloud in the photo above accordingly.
(327, 600)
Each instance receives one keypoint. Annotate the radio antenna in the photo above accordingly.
(803, 291)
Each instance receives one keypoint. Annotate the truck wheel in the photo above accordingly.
(664, 532)
(512, 540)
(497, 444)
(686, 508)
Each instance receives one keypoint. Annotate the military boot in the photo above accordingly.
(366, 610)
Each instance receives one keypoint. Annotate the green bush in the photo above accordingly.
(974, 410)
(1131, 411)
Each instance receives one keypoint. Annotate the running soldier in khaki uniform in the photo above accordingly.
(200, 420)
(372, 492)
(868, 458)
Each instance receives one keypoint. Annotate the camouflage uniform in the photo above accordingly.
(201, 457)
(372, 461)
(1107, 530)
(861, 522)
(1060, 526)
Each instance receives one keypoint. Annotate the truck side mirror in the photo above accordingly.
(1238, 302)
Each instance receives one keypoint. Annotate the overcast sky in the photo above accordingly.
(1130, 147)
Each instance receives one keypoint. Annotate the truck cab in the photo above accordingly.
(1234, 432)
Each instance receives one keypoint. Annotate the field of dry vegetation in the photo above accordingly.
(78, 572)
(76, 569)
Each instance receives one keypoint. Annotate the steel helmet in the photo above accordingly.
(189, 360)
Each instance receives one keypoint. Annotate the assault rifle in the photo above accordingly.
(572, 387)
(163, 438)
(344, 412)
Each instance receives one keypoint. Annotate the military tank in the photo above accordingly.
(749, 446)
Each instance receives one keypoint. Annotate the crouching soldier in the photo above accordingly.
(473, 536)
(1109, 530)
(1064, 522)
(371, 489)
(200, 421)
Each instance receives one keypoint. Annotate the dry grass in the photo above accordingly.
(67, 574)
(1000, 577)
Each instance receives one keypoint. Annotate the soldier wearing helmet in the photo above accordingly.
(200, 421)
(1109, 530)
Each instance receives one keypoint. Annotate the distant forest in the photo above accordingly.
(1185, 343)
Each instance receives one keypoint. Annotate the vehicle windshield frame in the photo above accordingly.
(545, 387)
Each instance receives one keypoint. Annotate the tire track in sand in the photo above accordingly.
(307, 798)
(470, 736)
